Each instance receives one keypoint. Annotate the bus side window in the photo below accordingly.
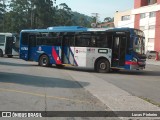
(102, 41)
(93, 41)
(2, 39)
(82, 41)
(69, 40)
(32, 40)
(24, 38)
(109, 41)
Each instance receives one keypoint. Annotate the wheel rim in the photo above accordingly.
(44, 61)
(102, 66)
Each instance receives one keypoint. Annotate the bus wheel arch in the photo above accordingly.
(44, 60)
(102, 65)
(1, 53)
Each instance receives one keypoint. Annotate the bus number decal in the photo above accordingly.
(102, 51)
(24, 48)
(91, 50)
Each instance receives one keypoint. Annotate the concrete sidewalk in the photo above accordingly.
(112, 96)
(152, 62)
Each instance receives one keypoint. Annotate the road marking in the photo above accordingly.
(43, 95)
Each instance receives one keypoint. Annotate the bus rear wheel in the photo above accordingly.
(44, 61)
(103, 66)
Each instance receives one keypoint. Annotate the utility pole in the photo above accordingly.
(96, 15)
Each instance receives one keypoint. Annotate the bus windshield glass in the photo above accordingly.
(139, 42)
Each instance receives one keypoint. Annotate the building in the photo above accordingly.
(144, 16)
(106, 25)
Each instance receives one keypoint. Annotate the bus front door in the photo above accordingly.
(67, 55)
(9, 45)
(31, 47)
(119, 50)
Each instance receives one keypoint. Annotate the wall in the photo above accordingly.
(119, 23)
(140, 3)
(157, 32)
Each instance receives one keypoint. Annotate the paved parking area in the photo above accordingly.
(24, 86)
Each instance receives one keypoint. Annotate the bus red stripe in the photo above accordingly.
(131, 63)
(55, 56)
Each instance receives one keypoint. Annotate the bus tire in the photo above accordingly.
(44, 61)
(103, 66)
(1, 53)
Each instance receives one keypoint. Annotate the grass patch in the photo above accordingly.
(150, 101)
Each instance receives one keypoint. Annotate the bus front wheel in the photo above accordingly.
(103, 66)
(44, 61)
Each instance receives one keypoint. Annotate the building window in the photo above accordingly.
(152, 14)
(151, 27)
(151, 40)
(150, 2)
(142, 28)
(142, 15)
(127, 17)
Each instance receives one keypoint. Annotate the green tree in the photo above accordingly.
(19, 15)
(81, 19)
(43, 12)
(64, 14)
(30, 14)
(108, 19)
(2, 13)
(26, 14)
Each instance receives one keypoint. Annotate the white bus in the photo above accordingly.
(9, 44)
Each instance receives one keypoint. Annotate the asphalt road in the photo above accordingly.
(144, 84)
(24, 86)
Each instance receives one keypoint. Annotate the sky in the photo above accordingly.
(105, 8)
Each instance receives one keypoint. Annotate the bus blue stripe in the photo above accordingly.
(73, 57)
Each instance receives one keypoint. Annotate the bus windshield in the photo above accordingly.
(138, 45)
(139, 42)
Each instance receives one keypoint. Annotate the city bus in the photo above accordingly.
(9, 44)
(100, 49)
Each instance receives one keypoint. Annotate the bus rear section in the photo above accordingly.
(9, 44)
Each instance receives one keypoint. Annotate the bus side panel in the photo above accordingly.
(127, 59)
(56, 55)
(95, 53)
(24, 52)
(86, 56)
(51, 51)
(71, 56)
(66, 55)
(80, 56)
